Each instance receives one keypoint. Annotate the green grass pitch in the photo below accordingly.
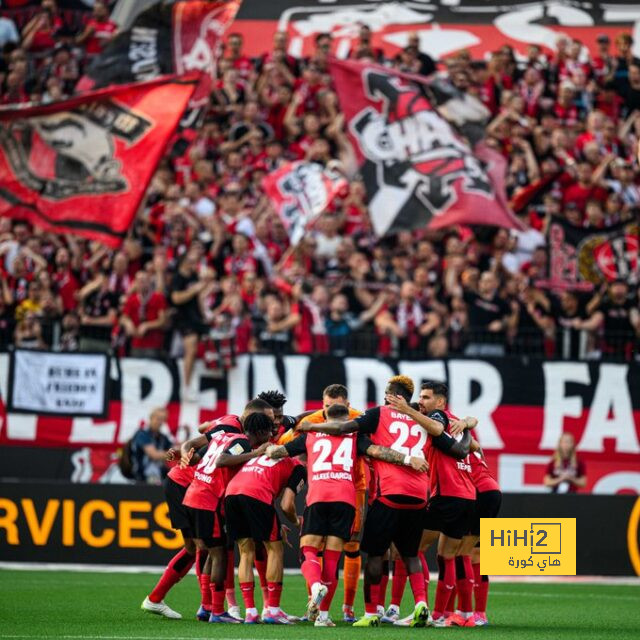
(93, 606)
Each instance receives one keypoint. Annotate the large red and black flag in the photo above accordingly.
(83, 165)
(417, 168)
(300, 192)
(580, 258)
(167, 38)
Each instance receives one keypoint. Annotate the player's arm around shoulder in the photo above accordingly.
(433, 426)
(330, 428)
(367, 448)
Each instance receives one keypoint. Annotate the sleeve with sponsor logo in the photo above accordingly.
(238, 446)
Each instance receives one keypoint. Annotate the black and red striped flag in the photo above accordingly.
(417, 168)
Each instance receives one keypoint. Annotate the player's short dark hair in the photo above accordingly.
(273, 397)
(336, 391)
(258, 423)
(438, 388)
(257, 404)
(337, 411)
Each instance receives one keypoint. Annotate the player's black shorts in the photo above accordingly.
(487, 506)
(386, 524)
(209, 526)
(246, 517)
(178, 513)
(328, 519)
(449, 515)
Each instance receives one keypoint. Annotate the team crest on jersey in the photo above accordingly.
(412, 147)
(72, 153)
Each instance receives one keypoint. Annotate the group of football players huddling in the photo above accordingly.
(420, 467)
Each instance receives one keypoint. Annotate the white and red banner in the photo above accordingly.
(300, 192)
(417, 169)
(523, 407)
(83, 165)
(444, 28)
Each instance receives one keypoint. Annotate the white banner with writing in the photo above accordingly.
(58, 383)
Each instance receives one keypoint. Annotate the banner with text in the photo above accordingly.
(523, 406)
(61, 384)
(63, 522)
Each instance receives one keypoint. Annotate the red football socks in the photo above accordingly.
(177, 568)
(480, 589)
(371, 593)
(274, 590)
(203, 579)
(384, 583)
(446, 582)
(311, 569)
(417, 587)
(247, 591)
(229, 582)
(217, 598)
(464, 575)
(261, 567)
(425, 573)
(330, 562)
(399, 582)
(451, 605)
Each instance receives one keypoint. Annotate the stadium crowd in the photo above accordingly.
(207, 270)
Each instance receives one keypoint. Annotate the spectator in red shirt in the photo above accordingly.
(144, 318)
(65, 279)
(565, 473)
(241, 261)
(583, 188)
(238, 60)
(98, 31)
(39, 35)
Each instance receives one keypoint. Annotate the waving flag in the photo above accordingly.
(178, 38)
(300, 192)
(580, 259)
(417, 169)
(83, 165)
